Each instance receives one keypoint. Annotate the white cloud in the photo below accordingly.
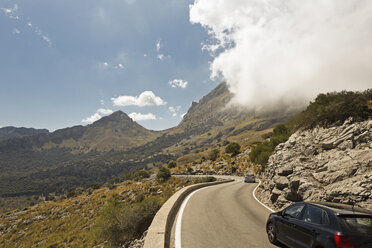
(116, 63)
(178, 83)
(162, 57)
(279, 51)
(98, 115)
(12, 13)
(119, 66)
(92, 118)
(142, 117)
(146, 98)
(174, 110)
(145, 55)
(105, 111)
(16, 31)
(158, 45)
(47, 39)
(102, 102)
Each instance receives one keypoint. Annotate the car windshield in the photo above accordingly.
(359, 224)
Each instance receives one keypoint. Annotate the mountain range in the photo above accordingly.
(43, 163)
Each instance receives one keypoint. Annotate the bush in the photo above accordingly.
(96, 186)
(121, 222)
(336, 107)
(172, 164)
(330, 108)
(141, 174)
(163, 174)
(213, 155)
(233, 148)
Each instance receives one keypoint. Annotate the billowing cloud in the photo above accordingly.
(92, 118)
(98, 115)
(146, 98)
(105, 111)
(142, 117)
(284, 52)
(174, 110)
(178, 83)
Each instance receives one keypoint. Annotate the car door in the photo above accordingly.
(285, 223)
(313, 219)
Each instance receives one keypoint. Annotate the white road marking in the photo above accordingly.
(254, 195)
(179, 219)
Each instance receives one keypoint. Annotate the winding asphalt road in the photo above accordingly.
(221, 216)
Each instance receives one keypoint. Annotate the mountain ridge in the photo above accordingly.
(11, 132)
(115, 145)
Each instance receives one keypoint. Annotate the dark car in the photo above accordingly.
(250, 178)
(321, 225)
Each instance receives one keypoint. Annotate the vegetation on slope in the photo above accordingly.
(106, 217)
(327, 109)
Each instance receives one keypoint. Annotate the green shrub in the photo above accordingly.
(233, 148)
(163, 174)
(96, 186)
(213, 155)
(172, 164)
(141, 174)
(330, 108)
(121, 222)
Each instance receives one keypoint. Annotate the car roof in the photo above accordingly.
(341, 209)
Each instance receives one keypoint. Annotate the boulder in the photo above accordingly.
(281, 182)
(285, 171)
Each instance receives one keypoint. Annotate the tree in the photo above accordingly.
(163, 174)
(233, 148)
(141, 174)
(213, 155)
(172, 164)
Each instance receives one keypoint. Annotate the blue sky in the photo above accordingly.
(62, 62)
(65, 63)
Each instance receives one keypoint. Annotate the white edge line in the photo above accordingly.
(254, 195)
(179, 219)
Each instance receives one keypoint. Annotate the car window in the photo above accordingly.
(293, 211)
(325, 219)
(359, 224)
(313, 215)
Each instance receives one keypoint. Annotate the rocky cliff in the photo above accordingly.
(321, 164)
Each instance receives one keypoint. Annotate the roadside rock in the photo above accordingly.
(322, 164)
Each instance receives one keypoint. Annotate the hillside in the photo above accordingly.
(322, 164)
(111, 147)
(19, 132)
(75, 219)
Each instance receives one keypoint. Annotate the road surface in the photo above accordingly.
(222, 216)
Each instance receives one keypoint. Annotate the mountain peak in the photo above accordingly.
(117, 116)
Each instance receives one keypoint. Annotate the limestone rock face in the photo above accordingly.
(322, 164)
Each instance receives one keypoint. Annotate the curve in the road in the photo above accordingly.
(222, 216)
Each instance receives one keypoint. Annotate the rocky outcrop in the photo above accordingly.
(323, 164)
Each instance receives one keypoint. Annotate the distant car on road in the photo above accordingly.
(321, 225)
(250, 178)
